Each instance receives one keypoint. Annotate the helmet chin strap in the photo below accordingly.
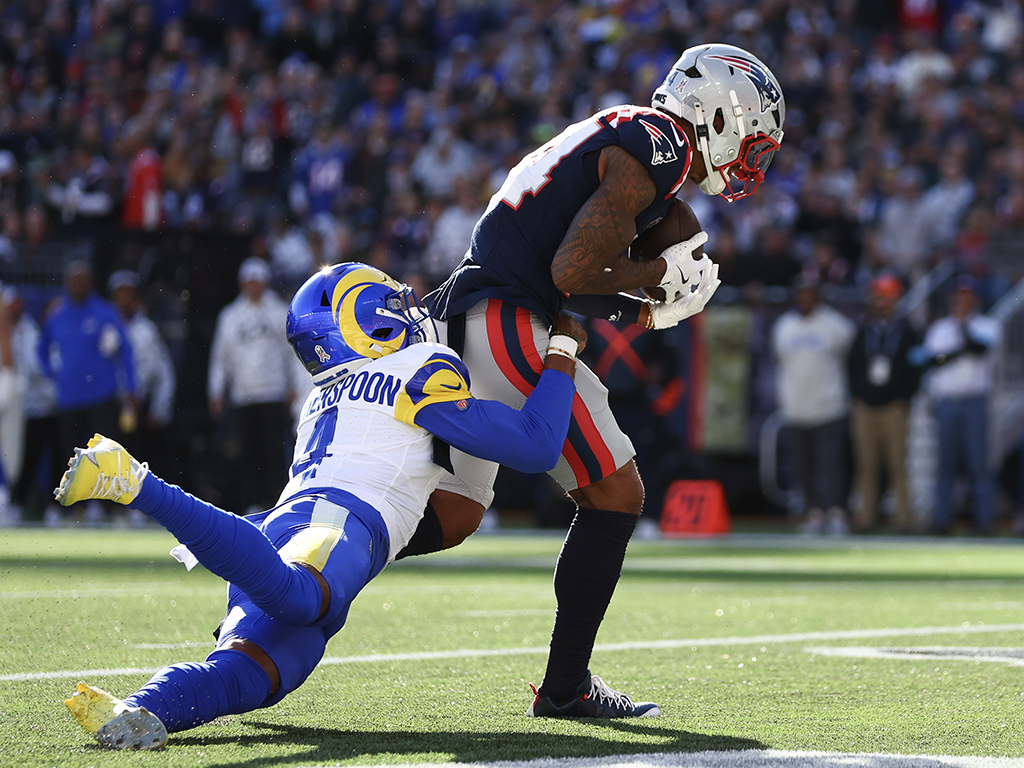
(713, 183)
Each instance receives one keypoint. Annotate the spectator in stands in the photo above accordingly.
(42, 432)
(734, 268)
(923, 64)
(233, 96)
(12, 387)
(947, 201)
(11, 187)
(291, 256)
(905, 232)
(774, 262)
(441, 161)
(452, 232)
(823, 220)
(255, 376)
(882, 381)
(10, 420)
(144, 185)
(154, 371)
(10, 236)
(318, 173)
(84, 348)
(260, 166)
(37, 258)
(82, 191)
(960, 347)
(810, 343)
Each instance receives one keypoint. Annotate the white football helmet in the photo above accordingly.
(717, 80)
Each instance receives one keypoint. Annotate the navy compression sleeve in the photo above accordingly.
(617, 307)
(529, 440)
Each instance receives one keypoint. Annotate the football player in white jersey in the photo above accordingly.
(362, 473)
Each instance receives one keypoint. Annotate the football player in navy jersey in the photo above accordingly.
(362, 472)
(556, 236)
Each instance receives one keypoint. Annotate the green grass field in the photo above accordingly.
(731, 637)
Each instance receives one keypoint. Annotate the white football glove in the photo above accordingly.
(681, 268)
(666, 314)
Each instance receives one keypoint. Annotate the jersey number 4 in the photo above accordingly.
(318, 443)
(533, 172)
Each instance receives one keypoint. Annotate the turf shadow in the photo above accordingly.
(331, 744)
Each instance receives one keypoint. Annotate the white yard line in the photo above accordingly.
(81, 674)
(134, 590)
(167, 646)
(1012, 656)
(746, 758)
(696, 642)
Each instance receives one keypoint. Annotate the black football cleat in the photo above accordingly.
(592, 699)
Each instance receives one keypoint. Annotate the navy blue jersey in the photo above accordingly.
(526, 220)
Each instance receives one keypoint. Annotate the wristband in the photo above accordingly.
(562, 333)
(563, 344)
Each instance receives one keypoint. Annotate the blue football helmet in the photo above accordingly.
(348, 314)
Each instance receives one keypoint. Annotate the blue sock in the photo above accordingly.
(190, 694)
(234, 549)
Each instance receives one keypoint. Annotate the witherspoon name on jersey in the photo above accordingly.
(376, 387)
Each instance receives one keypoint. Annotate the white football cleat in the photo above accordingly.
(102, 470)
(112, 723)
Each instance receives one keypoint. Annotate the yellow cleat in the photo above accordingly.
(102, 470)
(114, 724)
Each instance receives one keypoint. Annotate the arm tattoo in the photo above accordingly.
(592, 256)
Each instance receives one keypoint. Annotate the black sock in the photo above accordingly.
(427, 538)
(585, 576)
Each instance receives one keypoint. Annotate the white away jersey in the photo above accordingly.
(360, 435)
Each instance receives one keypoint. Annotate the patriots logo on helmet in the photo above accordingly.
(663, 151)
(321, 353)
(766, 89)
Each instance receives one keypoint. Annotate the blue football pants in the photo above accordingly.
(274, 601)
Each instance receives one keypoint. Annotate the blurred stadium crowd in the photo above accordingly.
(177, 138)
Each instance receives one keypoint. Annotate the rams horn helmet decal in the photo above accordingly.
(348, 314)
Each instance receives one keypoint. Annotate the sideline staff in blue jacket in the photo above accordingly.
(85, 350)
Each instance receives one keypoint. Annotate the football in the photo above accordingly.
(680, 223)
